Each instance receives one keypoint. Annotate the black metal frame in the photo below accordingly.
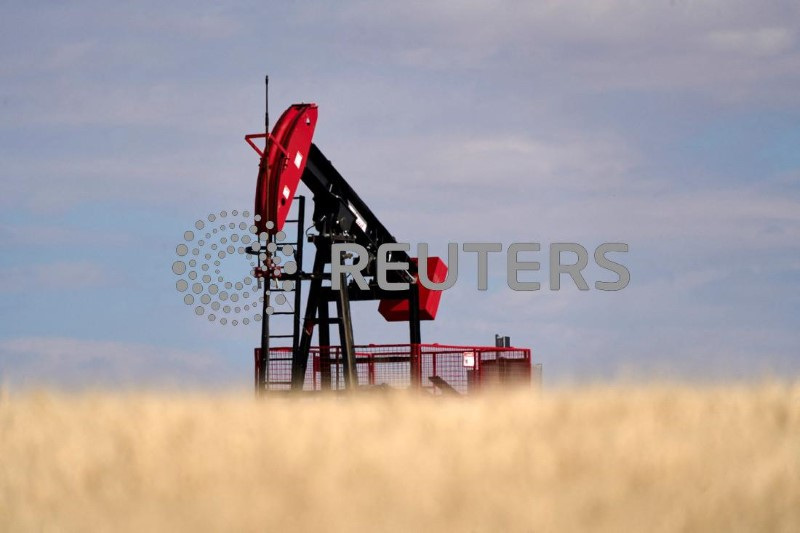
(339, 216)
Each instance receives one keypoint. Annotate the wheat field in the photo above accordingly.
(624, 458)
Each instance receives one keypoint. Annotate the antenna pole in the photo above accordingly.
(267, 267)
(266, 104)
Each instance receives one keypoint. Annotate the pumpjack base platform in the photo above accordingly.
(436, 369)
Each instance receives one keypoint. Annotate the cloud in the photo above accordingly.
(38, 235)
(761, 42)
(63, 275)
(62, 182)
(517, 67)
(33, 361)
(588, 46)
(657, 328)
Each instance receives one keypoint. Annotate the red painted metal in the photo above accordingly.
(282, 164)
(397, 310)
(249, 138)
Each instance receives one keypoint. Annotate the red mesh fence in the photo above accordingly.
(435, 368)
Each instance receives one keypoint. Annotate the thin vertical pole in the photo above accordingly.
(264, 361)
(414, 334)
(266, 105)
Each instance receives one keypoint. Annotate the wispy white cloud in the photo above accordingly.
(590, 46)
(40, 235)
(760, 42)
(31, 361)
(62, 275)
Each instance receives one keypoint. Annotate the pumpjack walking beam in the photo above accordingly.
(341, 216)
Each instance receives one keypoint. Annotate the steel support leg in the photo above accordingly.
(300, 356)
(414, 335)
(346, 335)
(324, 345)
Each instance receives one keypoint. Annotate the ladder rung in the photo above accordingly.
(283, 313)
(281, 336)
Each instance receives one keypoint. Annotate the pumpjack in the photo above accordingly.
(288, 158)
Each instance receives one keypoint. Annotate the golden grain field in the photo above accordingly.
(627, 458)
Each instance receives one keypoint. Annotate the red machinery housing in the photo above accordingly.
(398, 311)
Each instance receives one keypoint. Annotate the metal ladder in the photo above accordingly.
(263, 383)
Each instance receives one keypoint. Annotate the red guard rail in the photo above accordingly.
(433, 368)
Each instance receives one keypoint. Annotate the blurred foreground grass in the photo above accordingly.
(648, 458)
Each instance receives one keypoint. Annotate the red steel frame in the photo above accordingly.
(433, 368)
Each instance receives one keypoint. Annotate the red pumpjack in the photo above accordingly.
(340, 216)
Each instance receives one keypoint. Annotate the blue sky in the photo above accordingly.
(671, 126)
